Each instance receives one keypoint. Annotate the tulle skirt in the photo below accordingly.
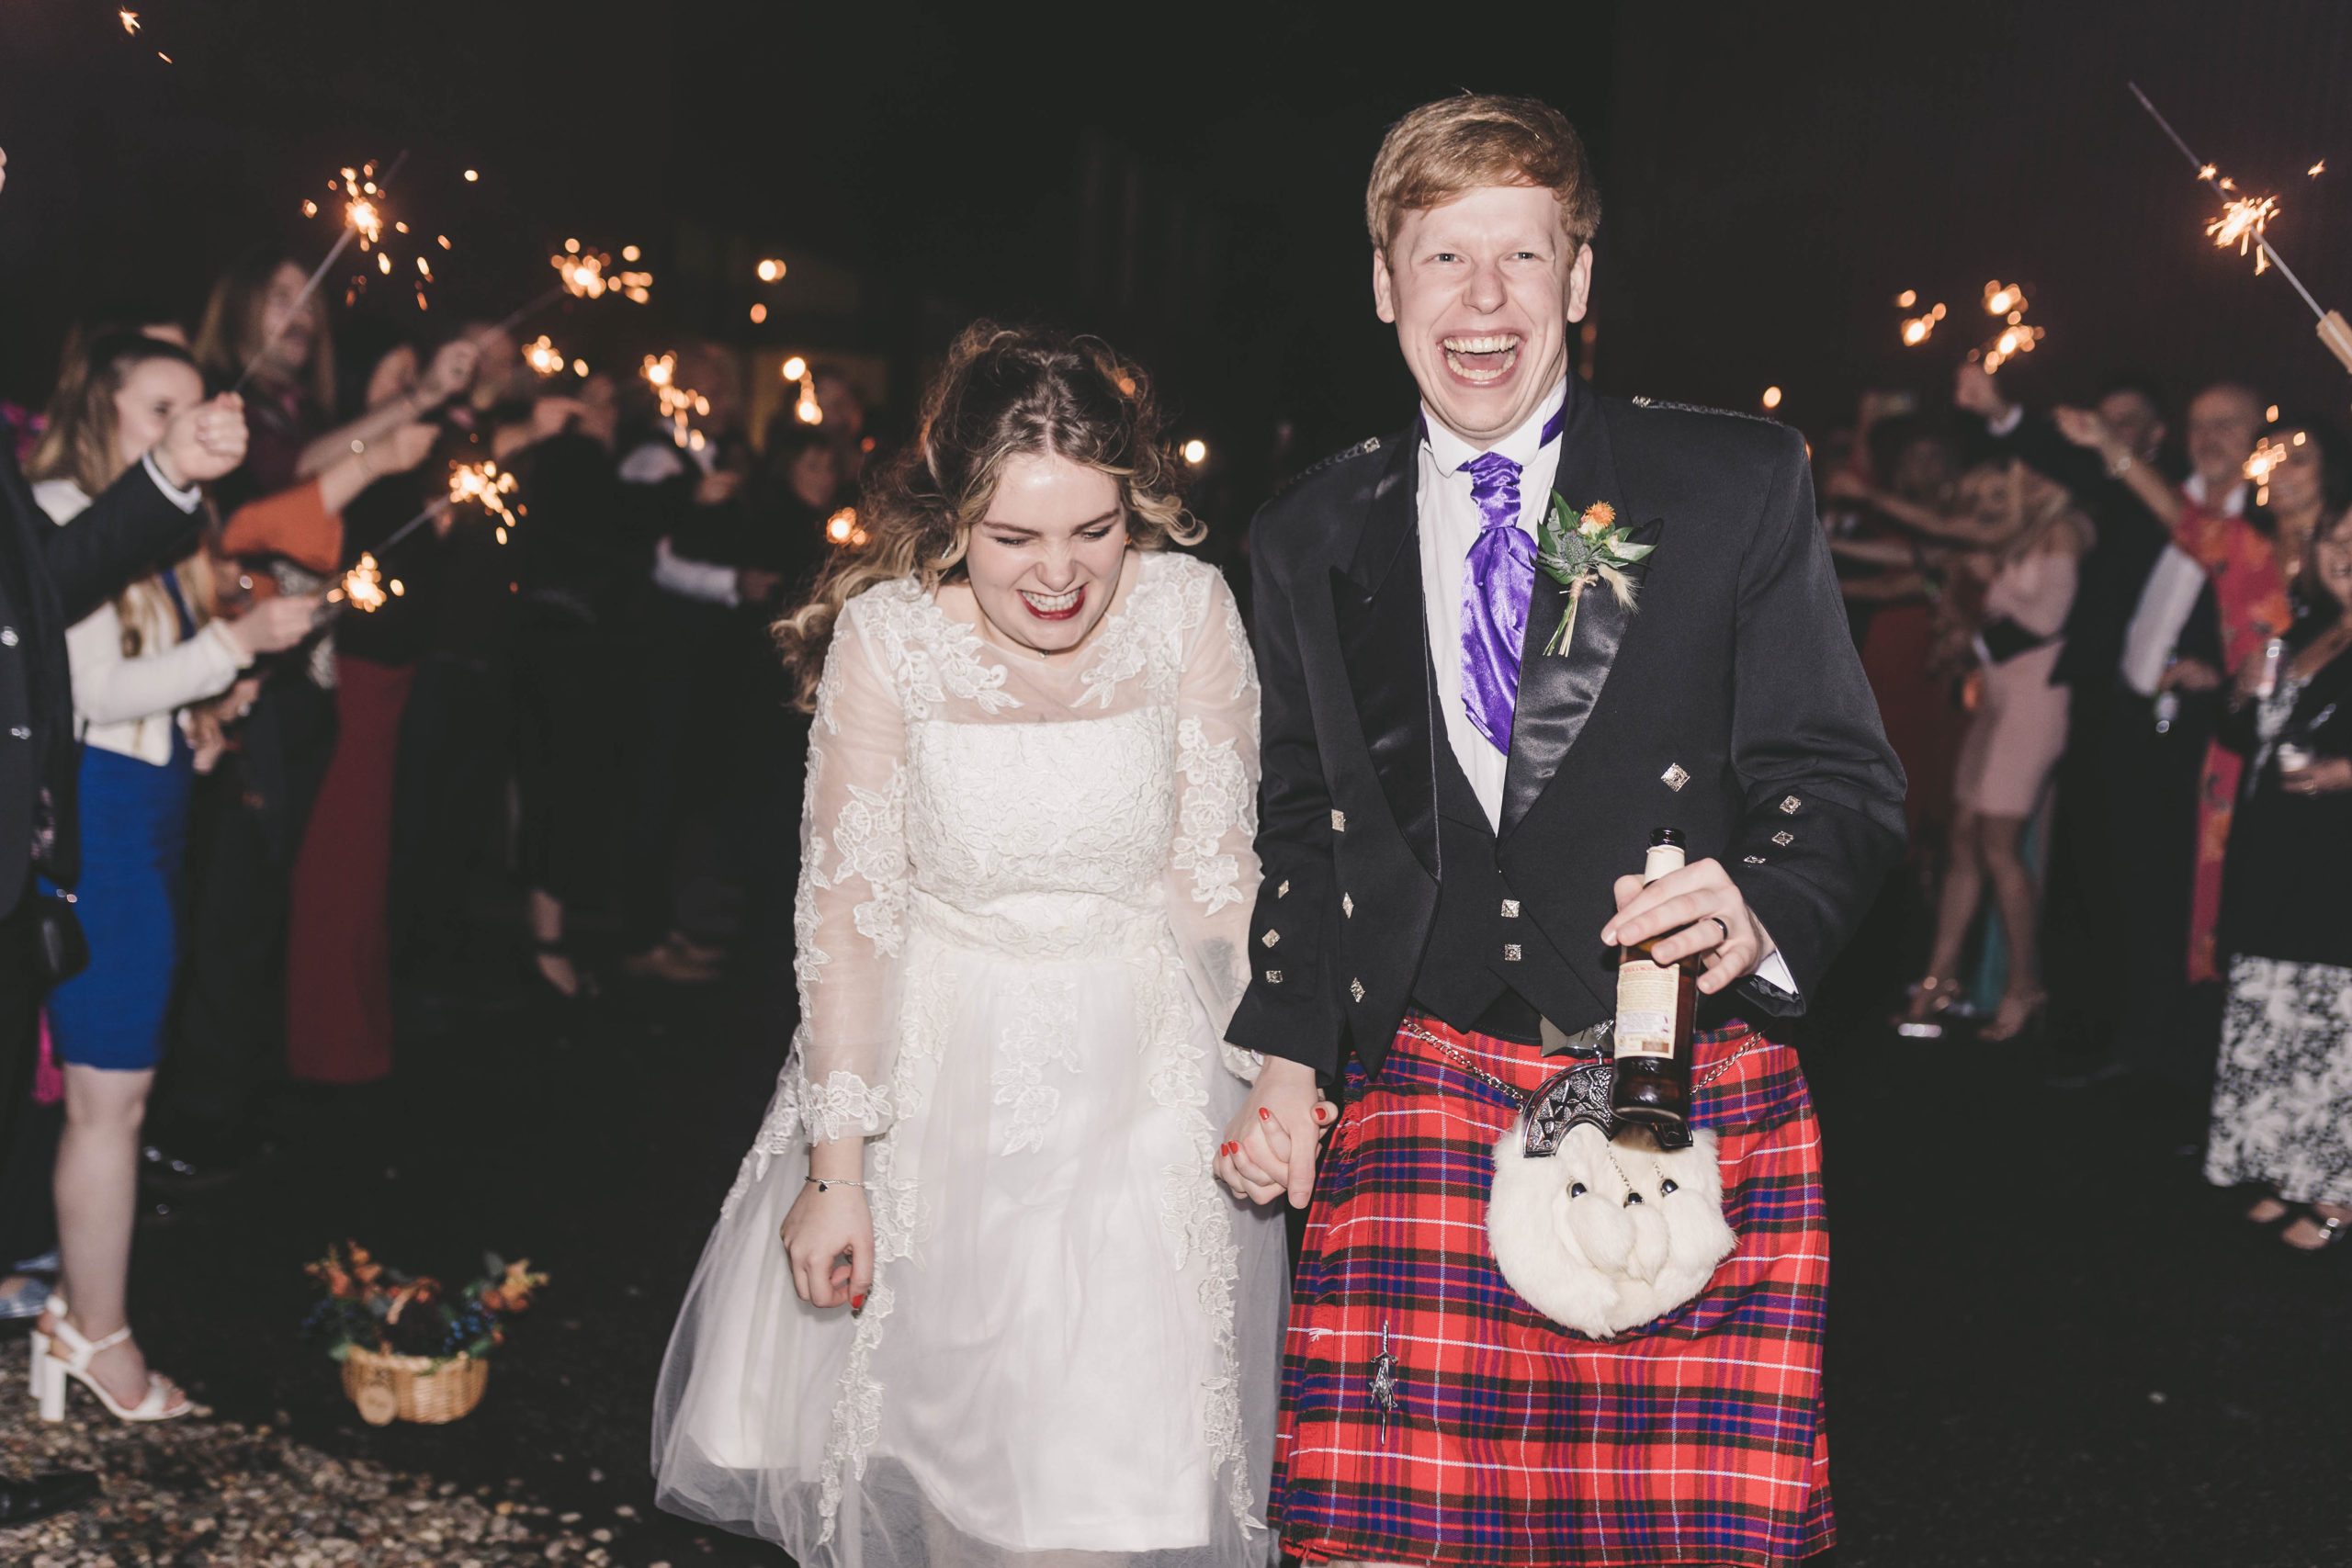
(1072, 1340)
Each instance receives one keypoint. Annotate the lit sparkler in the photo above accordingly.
(351, 231)
(679, 404)
(2242, 221)
(588, 275)
(843, 528)
(362, 587)
(485, 485)
(2334, 331)
(1918, 329)
(543, 357)
(2005, 302)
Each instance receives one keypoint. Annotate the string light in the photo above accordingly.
(794, 368)
(1196, 451)
(1771, 397)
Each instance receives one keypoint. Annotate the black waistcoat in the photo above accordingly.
(1487, 967)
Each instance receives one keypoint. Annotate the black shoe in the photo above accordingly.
(174, 1169)
(57, 1491)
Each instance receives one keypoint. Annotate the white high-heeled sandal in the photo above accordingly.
(50, 1372)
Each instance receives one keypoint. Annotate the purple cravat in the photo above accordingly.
(1497, 582)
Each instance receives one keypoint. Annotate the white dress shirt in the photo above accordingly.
(1450, 524)
(2167, 599)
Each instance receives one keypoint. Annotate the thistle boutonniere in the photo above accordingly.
(1575, 548)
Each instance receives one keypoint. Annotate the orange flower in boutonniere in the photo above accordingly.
(1575, 548)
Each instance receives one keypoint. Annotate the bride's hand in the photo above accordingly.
(1270, 1145)
(829, 1238)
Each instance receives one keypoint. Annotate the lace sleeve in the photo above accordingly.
(1213, 867)
(849, 913)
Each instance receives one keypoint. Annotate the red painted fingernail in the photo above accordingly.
(857, 1303)
(1265, 1115)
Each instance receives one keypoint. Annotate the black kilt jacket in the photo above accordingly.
(1728, 703)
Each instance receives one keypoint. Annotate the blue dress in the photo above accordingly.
(134, 836)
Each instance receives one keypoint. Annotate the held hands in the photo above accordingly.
(828, 1233)
(203, 442)
(1688, 903)
(1270, 1143)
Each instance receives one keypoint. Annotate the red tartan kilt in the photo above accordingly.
(1697, 1439)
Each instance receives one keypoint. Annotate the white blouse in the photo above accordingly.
(128, 705)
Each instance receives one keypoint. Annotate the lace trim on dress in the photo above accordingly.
(1217, 797)
(843, 1104)
(932, 656)
(870, 839)
(1198, 1223)
(1170, 599)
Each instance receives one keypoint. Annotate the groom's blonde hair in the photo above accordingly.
(1444, 149)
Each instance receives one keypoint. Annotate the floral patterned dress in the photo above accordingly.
(2283, 1093)
(1024, 901)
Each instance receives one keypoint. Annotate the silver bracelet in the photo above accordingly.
(828, 1184)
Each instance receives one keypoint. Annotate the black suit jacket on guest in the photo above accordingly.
(1729, 704)
(50, 578)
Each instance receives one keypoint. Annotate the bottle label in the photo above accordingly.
(1646, 993)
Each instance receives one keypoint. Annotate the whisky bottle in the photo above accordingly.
(1654, 1006)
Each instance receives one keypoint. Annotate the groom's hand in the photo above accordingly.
(1689, 903)
(1270, 1145)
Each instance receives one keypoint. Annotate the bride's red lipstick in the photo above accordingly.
(1075, 605)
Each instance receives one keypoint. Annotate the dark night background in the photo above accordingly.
(1189, 180)
(2054, 1344)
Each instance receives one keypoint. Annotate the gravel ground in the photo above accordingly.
(2050, 1342)
(204, 1492)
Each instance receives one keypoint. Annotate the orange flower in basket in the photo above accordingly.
(416, 1293)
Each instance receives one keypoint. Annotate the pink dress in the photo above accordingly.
(2018, 731)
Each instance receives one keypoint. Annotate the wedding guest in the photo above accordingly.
(139, 662)
(338, 955)
(573, 562)
(2029, 537)
(2282, 1097)
(50, 578)
(1032, 778)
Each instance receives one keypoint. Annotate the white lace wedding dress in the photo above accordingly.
(1024, 906)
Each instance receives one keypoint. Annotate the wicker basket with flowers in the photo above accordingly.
(411, 1349)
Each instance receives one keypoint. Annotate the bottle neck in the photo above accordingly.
(1663, 860)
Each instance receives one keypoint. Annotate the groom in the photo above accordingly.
(1454, 822)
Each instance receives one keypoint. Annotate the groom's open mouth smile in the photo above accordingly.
(1055, 606)
(1481, 358)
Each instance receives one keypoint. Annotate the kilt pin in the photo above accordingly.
(1430, 1415)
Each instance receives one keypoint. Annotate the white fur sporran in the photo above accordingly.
(1602, 1237)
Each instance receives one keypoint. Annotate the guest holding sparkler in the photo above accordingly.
(2282, 1099)
(2025, 538)
(250, 813)
(569, 578)
(338, 957)
(2302, 471)
(139, 662)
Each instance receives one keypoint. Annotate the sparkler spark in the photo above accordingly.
(543, 357)
(2316, 169)
(678, 403)
(362, 587)
(129, 20)
(485, 485)
(2007, 301)
(2241, 223)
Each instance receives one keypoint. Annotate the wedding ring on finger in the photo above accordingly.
(1726, 938)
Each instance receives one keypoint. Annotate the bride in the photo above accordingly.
(1012, 1313)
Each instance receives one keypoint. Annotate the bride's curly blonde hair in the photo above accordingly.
(1004, 392)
